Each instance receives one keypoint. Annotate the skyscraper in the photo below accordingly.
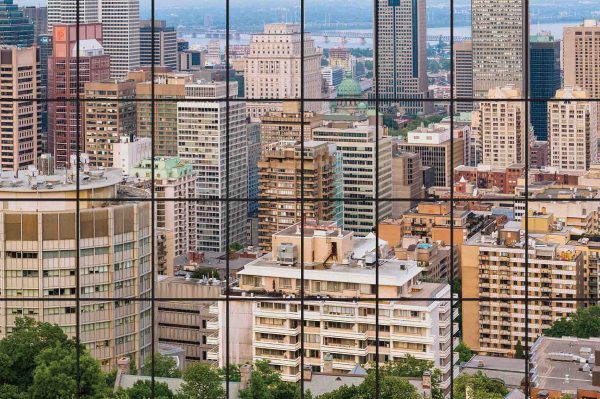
(15, 28)
(20, 130)
(502, 126)
(402, 53)
(65, 12)
(63, 85)
(463, 75)
(165, 44)
(544, 79)
(581, 49)
(498, 30)
(121, 28)
(204, 141)
(109, 115)
(272, 68)
(572, 130)
(38, 16)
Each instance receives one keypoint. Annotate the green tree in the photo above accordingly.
(55, 375)
(236, 246)
(393, 387)
(464, 352)
(143, 390)
(584, 323)
(519, 351)
(17, 350)
(201, 272)
(234, 373)
(164, 366)
(483, 387)
(201, 381)
(343, 392)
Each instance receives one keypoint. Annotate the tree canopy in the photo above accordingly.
(584, 323)
(481, 385)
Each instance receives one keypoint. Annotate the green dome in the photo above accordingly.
(349, 87)
(362, 106)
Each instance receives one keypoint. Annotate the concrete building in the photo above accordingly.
(333, 75)
(65, 12)
(544, 79)
(185, 323)
(356, 141)
(492, 267)
(110, 113)
(505, 180)
(581, 46)
(285, 174)
(94, 66)
(288, 124)
(463, 75)
(538, 154)
(165, 44)
(16, 29)
(498, 44)
(407, 181)
(213, 53)
(272, 69)
(434, 147)
(204, 141)
(572, 130)
(114, 261)
(121, 26)
(127, 153)
(38, 16)
(341, 57)
(253, 157)
(402, 55)
(502, 127)
(340, 334)
(21, 126)
(175, 182)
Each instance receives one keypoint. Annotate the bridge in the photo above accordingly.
(345, 36)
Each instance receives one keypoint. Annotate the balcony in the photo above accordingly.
(344, 349)
(212, 324)
(213, 339)
(213, 309)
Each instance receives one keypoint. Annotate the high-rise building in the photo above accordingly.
(167, 90)
(20, 130)
(340, 333)
(463, 75)
(581, 46)
(165, 44)
(38, 16)
(121, 26)
(356, 141)
(65, 12)
(204, 141)
(502, 127)
(402, 53)
(114, 261)
(435, 147)
(498, 31)
(492, 267)
(544, 79)
(174, 180)
(15, 28)
(109, 115)
(253, 157)
(284, 173)
(288, 124)
(272, 69)
(94, 66)
(407, 181)
(213, 53)
(341, 57)
(572, 130)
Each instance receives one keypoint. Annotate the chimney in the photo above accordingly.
(307, 372)
(245, 372)
(327, 363)
(426, 379)
(123, 365)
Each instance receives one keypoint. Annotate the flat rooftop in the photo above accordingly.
(551, 374)
(510, 371)
(61, 180)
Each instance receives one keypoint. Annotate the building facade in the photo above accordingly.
(165, 44)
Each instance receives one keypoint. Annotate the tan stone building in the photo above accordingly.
(287, 124)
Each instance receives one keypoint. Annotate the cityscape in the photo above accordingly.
(335, 199)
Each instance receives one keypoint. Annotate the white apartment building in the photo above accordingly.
(65, 12)
(272, 68)
(114, 260)
(502, 127)
(356, 142)
(338, 265)
(572, 130)
(204, 141)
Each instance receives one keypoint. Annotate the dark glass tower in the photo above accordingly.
(544, 79)
(15, 28)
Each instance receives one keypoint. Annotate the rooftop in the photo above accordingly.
(510, 371)
(558, 363)
(60, 180)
